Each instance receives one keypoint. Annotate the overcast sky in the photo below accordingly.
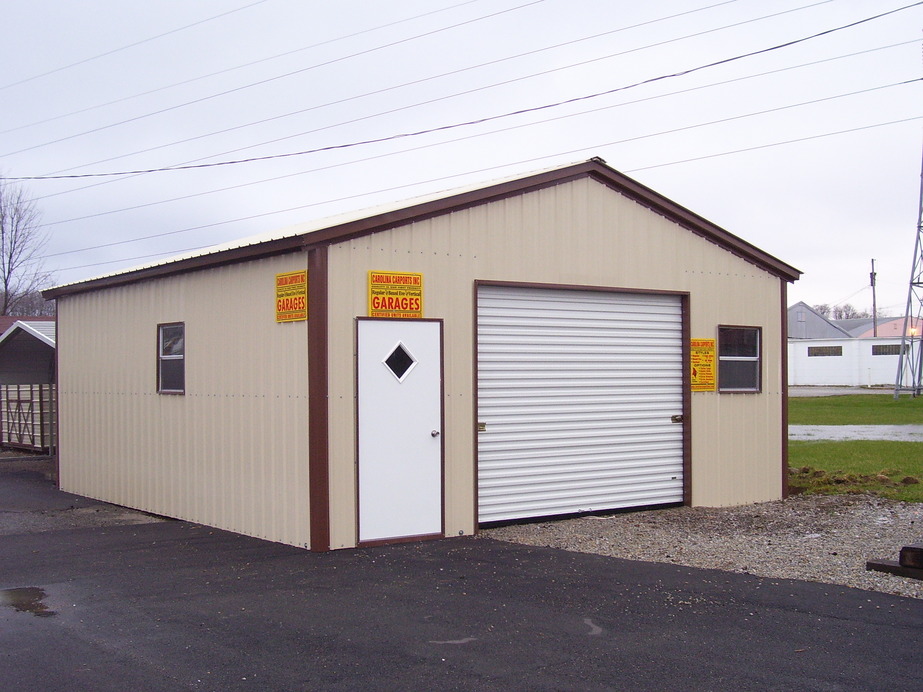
(811, 151)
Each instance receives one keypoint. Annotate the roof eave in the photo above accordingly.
(595, 168)
(232, 256)
(20, 326)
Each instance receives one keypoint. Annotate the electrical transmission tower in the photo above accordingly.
(910, 363)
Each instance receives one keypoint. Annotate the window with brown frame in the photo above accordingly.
(171, 358)
(739, 359)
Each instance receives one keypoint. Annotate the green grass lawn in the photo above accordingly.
(885, 468)
(889, 469)
(855, 409)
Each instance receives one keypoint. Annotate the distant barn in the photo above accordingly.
(27, 383)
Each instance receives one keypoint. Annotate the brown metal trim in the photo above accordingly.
(442, 493)
(761, 356)
(168, 392)
(318, 412)
(56, 402)
(693, 222)
(784, 329)
(209, 261)
(474, 403)
(356, 425)
(594, 168)
(686, 320)
(576, 287)
(442, 430)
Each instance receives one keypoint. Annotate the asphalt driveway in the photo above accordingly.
(175, 606)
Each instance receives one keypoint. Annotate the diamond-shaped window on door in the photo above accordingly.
(400, 362)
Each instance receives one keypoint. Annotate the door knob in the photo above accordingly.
(435, 433)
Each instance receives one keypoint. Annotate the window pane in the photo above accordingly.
(172, 375)
(399, 362)
(740, 374)
(738, 342)
(887, 350)
(820, 351)
(171, 340)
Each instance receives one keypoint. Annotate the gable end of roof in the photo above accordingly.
(594, 168)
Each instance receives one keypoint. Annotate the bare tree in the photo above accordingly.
(33, 305)
(22, 241)
(849, 312)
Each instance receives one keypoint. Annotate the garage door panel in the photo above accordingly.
(576, 391)
(550, 505)
(638, 468)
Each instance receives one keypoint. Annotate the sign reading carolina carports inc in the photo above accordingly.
(702, 357)
(395, 294)
(292, 296)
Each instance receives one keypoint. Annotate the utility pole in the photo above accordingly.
(874, 302)
(910, 362)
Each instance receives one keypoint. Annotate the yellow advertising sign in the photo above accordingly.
(292, 296)
(702, 357)
(395, 294)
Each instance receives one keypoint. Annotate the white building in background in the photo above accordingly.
(844, 352)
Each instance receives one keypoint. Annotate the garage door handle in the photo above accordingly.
(676, 419)
(435, 433)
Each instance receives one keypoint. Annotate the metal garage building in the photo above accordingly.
(562, 342)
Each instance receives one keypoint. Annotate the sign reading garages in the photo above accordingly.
(395, 294)
(292, 296)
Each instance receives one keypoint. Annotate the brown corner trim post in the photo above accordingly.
(318, 428)
(687, 399)
(784, 329)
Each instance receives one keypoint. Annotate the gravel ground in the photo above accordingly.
(12, 523)
(810, 537)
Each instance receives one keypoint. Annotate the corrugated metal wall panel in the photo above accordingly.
(579, 233)
(231, 452)
(577, 390)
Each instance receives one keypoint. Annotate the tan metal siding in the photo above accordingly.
(232, 451)
(579, 233)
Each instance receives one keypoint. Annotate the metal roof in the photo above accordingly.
(43, 330)
(363, 222)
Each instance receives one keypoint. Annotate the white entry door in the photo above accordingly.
(400, 428)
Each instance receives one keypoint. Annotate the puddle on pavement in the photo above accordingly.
(30, 599)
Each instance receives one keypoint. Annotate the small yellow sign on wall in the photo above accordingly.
(292, 296)
(395, 294)
(702, 357)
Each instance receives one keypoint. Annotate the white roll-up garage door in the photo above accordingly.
(577, 394)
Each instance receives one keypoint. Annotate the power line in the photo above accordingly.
(483, 134)
(459, 175)
(235, 68)
(130, 45)
(477, 121)
(376, 92)
(523, 162)
(271, 79)
(776, 144)
(624, 103)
